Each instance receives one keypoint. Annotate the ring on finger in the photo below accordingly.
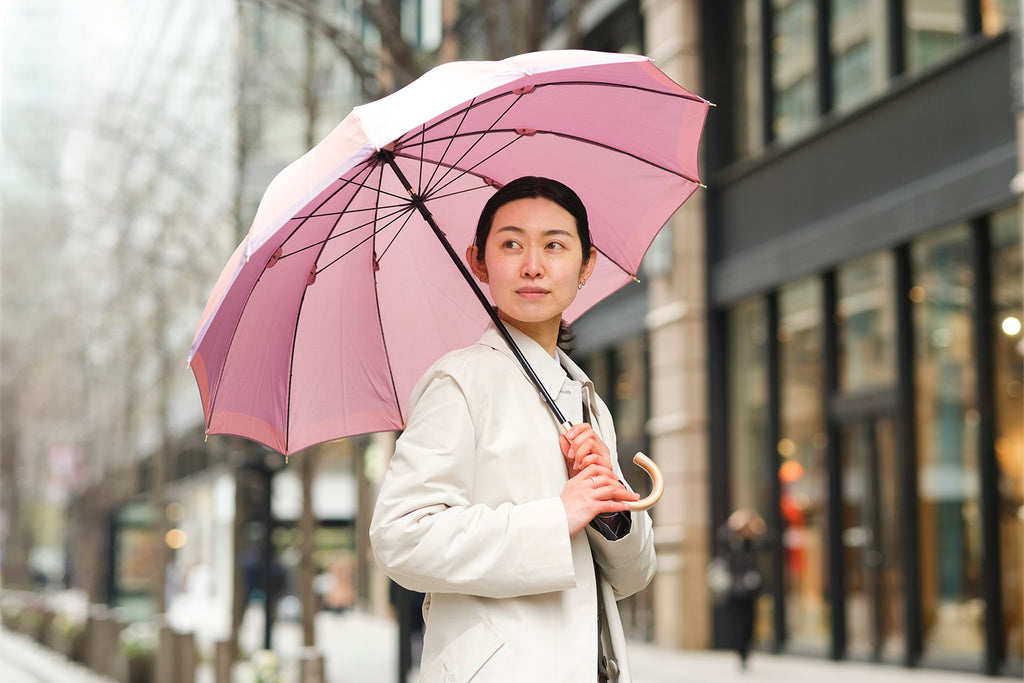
(593, 481)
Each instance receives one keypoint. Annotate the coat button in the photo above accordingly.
(613, 668)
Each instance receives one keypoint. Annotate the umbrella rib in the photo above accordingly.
(480, 102)
(230, 343)
(452, 166)
(400, 210)
(373, 234)
(380, 318)
(451, 139)
(295, 330)
(576, 138)
(398, 232)
(480, 136)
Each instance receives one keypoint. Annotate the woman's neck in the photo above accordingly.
(545, 333)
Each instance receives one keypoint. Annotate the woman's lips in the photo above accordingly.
(531, 292)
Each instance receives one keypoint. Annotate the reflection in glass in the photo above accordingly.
(794, 67)
(748, 406)
(871, 548)
(866, 324)
(748, 425)
(858, 50)
(995, 15)
(1008, 367)
(934, 30)
(947, 457)
(619, 374)
(803, 472)
(628, 396)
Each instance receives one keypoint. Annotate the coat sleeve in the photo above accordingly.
(628, 564)
(427, 532)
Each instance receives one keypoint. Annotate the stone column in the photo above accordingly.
(677, 324)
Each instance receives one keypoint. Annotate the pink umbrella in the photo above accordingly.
(350, 283)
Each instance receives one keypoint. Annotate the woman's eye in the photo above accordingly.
(556, 245)
(511, 244)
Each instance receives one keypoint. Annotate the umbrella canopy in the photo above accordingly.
(345, 290)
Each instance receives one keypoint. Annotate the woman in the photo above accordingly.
(516, 534)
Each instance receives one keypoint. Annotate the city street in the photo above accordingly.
(360, 648)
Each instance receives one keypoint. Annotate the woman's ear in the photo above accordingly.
(588, 266)
(476, 265)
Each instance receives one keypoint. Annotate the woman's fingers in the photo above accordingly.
(591, 492)
(580, 442)
(605, 485)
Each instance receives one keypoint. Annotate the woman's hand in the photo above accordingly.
(581, 447)
(594, 490)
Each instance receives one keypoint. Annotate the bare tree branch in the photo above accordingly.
(489, 14)
(572, 24)
(389, 23)
(364, 64)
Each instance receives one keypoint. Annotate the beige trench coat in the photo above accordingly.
(469, 513)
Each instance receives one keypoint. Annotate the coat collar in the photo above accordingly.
(551, 374)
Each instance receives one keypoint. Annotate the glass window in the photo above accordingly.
(747, 79)
(934, 30)
(866, 324)
(872, 561)
(858, 50)
(627, 398)
(947, 420)
(748, 406)
(748, 426)
(794, 67)
(620, 376)
(1008, 366)
(803, 474)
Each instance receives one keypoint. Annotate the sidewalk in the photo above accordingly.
(360, 648)
(363, 649)
(22, 660)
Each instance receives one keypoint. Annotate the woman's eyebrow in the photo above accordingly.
(549, 232)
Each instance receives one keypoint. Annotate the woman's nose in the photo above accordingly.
(531, 265)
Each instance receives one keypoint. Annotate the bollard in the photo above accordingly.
(166, 659)
(223, 661)
(311, 666)
(114, 657)
(97, 645)
(185, 651)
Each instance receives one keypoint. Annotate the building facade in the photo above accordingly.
(831, 333)
(863, 305)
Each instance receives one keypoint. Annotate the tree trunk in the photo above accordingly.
(308, 525)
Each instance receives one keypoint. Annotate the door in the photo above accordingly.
(872, 563)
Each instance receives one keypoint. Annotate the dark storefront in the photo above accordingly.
(865, 281)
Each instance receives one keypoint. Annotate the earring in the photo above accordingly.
(581, 284)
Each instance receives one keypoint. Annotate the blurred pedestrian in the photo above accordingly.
(740, 541)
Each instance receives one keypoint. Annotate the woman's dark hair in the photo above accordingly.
(533, 187)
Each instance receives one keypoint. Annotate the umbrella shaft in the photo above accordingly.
(421, 206)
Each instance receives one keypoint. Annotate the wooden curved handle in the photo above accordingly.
(657, 483)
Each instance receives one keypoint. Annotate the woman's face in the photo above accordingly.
(533, 261)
